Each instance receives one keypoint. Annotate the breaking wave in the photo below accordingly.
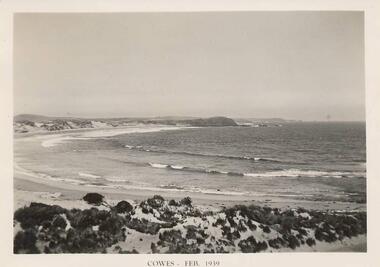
(141, 148)
(291, 173)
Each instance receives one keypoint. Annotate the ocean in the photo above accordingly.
(300, 161)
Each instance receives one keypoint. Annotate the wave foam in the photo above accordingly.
(289, 173)
(158, 165)
(142, 149)
(303, 173)
(88, 175)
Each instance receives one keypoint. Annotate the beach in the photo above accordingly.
(37, 186)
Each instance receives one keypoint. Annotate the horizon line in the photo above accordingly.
(189, 116)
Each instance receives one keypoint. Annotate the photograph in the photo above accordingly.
(189, 132)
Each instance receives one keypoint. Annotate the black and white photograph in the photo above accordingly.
(189, 132)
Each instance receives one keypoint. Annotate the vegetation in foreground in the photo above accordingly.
(176, 227)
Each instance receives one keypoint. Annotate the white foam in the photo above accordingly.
(176, 167)
(115, 179)
(299, 173)
(88, 175)
(158, 165)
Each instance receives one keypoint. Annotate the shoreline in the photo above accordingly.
(74, 192)
(55, 137)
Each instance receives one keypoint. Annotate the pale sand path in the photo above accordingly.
(76, 192)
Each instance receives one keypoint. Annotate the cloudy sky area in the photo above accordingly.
(295, 65)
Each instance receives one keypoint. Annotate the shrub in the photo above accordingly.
(133, 251)
(93, 198)
(123, 207)
(293, 242)
(113, 224)
(170, 236)
(35, 214)
(156, 201)
(144, 226)
(167, 215)
(318, 234)
(200, 240)
(241, 227)
(172, 202)
(233, 235)
(144, 210)
(219, 221)
(186, 201)
(25, 242)
(153, 247)
(87, 241)
(302, 231)
(191, 232)
(250, 245)
(265, 228)
(287, 223)
(176, 243)
(275, 243)
(86, 218)
(59, 221)
(310, 242)
(251, 226)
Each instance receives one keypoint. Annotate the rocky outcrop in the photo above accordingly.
(200, 122)
(214, 121)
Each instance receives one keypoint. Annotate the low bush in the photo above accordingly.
(123, 207)
(94, 198)
(35, 214)
(156, 201)
(186, 201)
(25, 242)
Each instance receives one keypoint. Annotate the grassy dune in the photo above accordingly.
(157, 225)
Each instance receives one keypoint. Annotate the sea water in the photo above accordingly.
(312, 161)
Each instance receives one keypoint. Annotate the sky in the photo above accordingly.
(293, 65)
